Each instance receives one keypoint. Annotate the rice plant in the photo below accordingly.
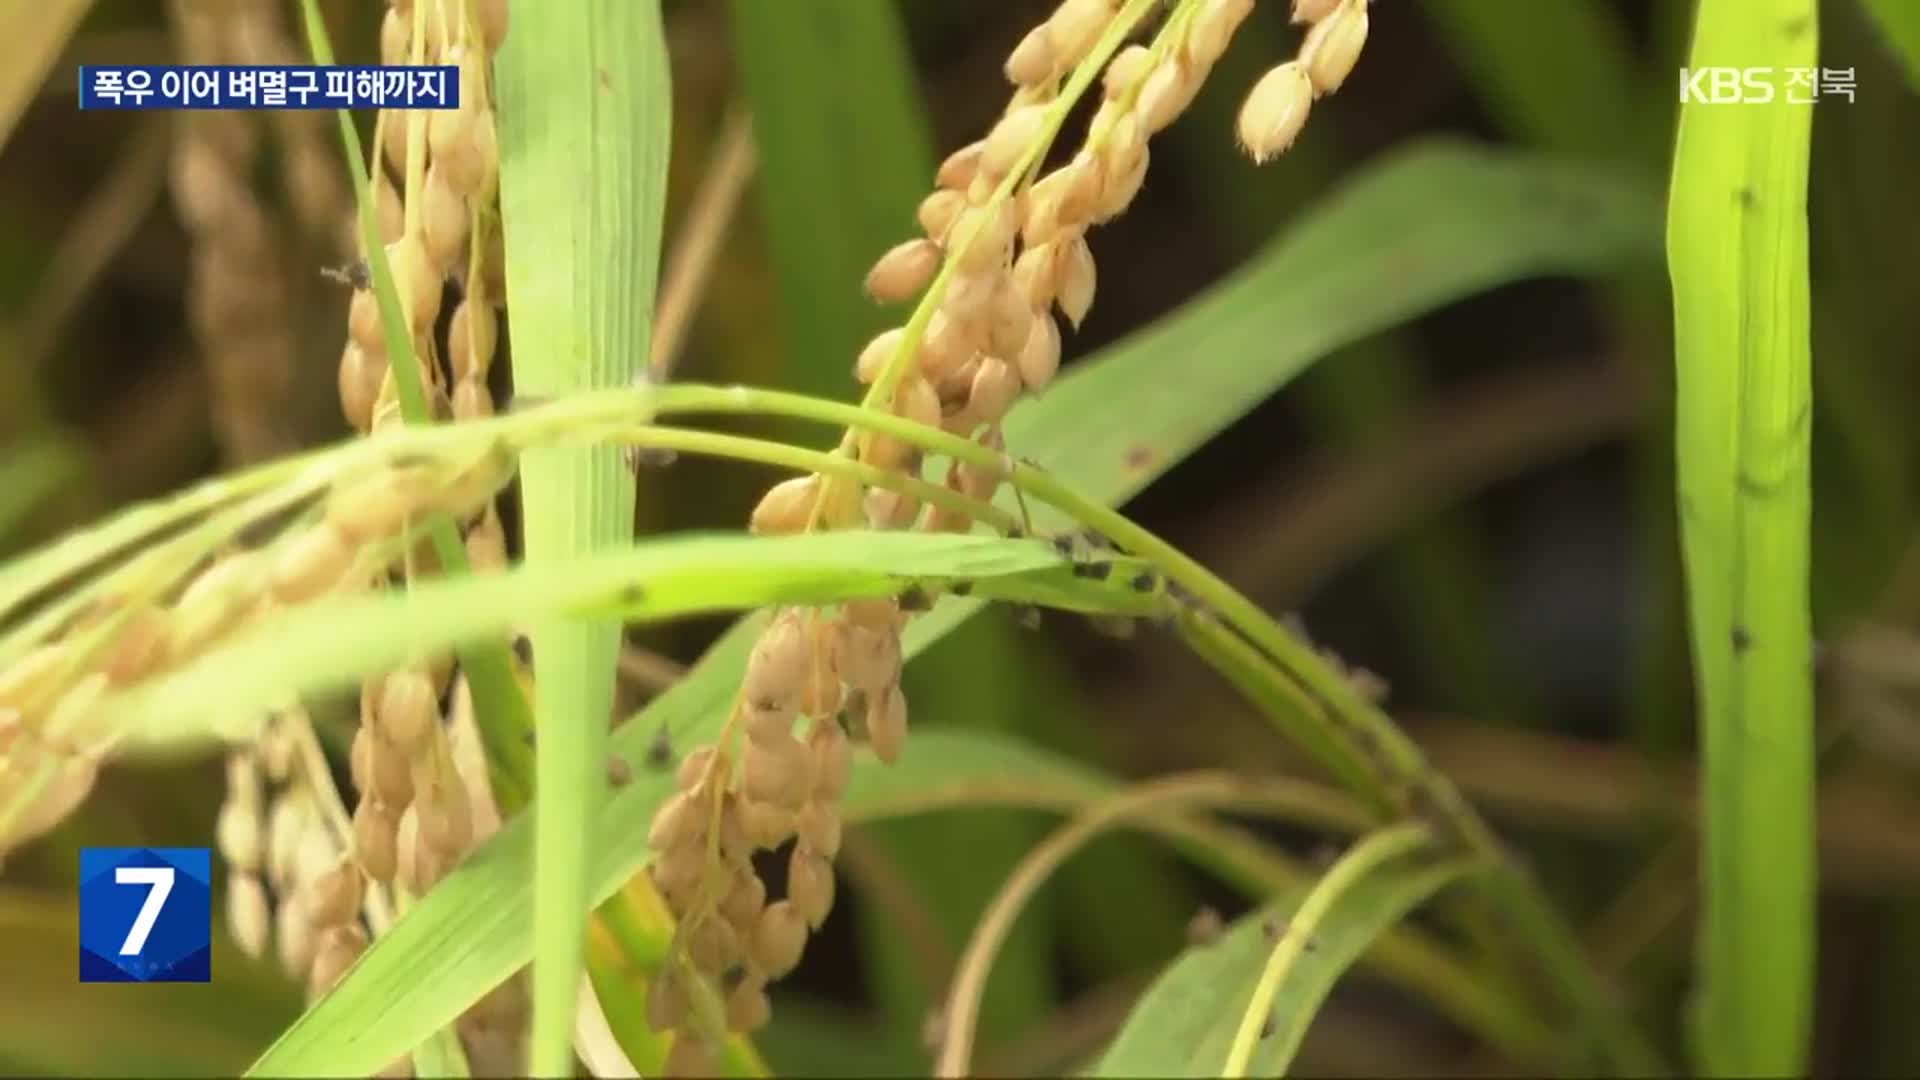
(780, 537)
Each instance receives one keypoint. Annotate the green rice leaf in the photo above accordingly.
(585, 112)
(1188, 1019)
(328, 645)
(1737, 252)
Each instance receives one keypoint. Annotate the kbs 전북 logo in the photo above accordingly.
(146, 914)
(1763, 85)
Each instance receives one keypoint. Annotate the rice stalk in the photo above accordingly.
(1002, 250)
(588, 84)
(418, 800)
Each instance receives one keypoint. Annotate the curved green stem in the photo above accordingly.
(768, 452)
(1359, 861)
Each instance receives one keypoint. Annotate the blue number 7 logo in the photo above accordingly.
(146, 914)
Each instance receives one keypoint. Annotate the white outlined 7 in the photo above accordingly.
(160, 878)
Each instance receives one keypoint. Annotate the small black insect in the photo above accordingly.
(916, 599)
(619, 773)
(1181, 595)
(1205, 927)
(1063, 544)
(853, 715)
(933, 1030)
(1266, 1028)
(660, 750)
(961, 588)
(650, 457)
(1145, 581)
(356, 274)
(1742, 639)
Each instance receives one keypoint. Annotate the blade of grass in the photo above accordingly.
(669, 578)
(1328, 907)
(1188, 1021)
(585, 109)
(1737, 252)
(501, 708)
